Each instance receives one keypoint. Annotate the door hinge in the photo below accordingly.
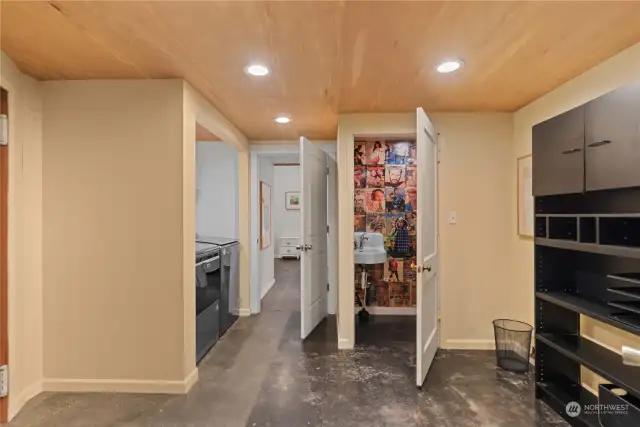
(327, 170)
(327, 287)
(327, 229)
(4, 380)
(4, 130)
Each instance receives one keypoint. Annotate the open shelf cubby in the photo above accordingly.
(587, 263)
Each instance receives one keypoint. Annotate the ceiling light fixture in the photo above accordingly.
(282, 120)
(449, 66)
(256, 70)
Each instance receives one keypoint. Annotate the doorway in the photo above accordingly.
(4, 227)
(217, 292)
(279, 168)
(369, 148)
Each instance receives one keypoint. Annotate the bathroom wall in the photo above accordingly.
(385, 203)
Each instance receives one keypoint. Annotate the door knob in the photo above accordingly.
(304, 247)
(417, 268)
(428, 268)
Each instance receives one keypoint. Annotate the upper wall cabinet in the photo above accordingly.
(612, 141)
(558, 154)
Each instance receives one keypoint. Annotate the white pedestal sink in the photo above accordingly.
(369, 249)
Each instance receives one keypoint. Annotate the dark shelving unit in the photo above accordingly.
(586, 187)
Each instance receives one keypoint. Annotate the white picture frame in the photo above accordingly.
(292, 200)
(526, 217)
(265, 215)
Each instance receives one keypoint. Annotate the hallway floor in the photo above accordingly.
(260, 374)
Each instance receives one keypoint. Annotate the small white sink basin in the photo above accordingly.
(372, 250)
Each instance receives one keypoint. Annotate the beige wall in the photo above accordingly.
(475, 272)
(115, 275)
(474, 181)
(25, 234)
(117, 247)
(613, 73)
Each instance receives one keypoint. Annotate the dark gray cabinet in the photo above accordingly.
(612, 140)
(558, 154)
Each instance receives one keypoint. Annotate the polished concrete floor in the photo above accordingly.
(262, 374)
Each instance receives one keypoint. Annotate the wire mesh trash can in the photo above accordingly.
(513, 344)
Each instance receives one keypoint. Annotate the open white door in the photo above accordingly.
(313, 236)
(428, 334)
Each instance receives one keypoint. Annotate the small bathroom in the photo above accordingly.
(385, 214)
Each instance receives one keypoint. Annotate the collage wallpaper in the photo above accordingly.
(385, 202)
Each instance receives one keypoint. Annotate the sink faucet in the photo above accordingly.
(362, 239)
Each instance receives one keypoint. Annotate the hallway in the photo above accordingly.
(260, 374)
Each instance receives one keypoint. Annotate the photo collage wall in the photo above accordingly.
(385, 202)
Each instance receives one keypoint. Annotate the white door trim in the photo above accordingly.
(279, 147)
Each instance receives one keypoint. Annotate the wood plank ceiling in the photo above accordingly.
(326, 57)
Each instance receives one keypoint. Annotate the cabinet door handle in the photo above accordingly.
(573, 150)
(599, 143)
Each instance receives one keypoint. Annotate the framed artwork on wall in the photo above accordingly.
(265, 215)
(525, 197)
(292, 200)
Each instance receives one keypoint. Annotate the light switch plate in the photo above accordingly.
(4, 130)
(453, 217)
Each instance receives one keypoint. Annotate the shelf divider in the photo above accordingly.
(595, 310)
(603, 362)
(621, 251)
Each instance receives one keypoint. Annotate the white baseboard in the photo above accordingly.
(244, 312)
(17, 402)
(390, 311)
(267, 288)
(121, 386)
(344, 344)
(452, 344)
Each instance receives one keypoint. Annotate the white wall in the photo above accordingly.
(286, 222)
(266, 274)
(216, 189)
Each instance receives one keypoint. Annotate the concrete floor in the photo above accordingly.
(261, 374)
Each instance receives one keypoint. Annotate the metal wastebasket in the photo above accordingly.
(513, 344)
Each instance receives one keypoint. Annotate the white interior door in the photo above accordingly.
(313, 237)
(428, 334)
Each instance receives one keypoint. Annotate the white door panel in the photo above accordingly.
(428, 334)
(314, 275)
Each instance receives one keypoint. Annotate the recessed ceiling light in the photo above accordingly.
(282, 120)
(257, 70)
(449, 66)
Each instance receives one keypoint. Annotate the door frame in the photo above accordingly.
(352, 126)
(4, 257)
(284, 148)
